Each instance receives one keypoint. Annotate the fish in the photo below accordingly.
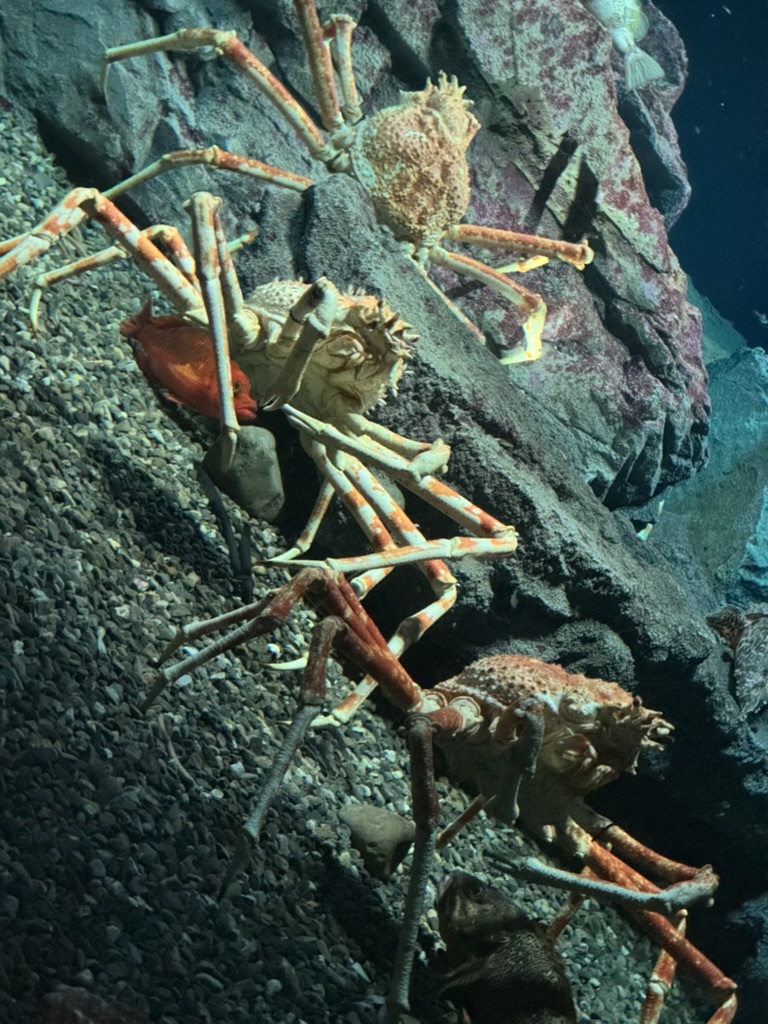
(500, 966)
(627, 24)
(178, 359)
(746, 633)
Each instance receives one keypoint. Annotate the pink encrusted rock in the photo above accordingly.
(622, 345)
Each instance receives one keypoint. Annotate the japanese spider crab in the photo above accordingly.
(411, 159)
(323, 358)
(533, 737)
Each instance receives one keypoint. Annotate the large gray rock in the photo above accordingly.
(718, 521)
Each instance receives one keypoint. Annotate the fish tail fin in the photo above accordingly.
(640, 69)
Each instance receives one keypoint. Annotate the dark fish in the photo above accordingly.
(500, 967)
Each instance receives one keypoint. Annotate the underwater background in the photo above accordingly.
(647, 410)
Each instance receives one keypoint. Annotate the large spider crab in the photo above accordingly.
(323, 358)
(534, 738)
(411, 158)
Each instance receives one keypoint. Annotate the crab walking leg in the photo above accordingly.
(537, 248)
(338, 30)
(167, 235)
(424, 456)
(576, 254)
(320, 66)
(306, 538)
(674, 897)
(662, 977)
(631, 849)
(89, 202)
(228, 46)
(209, 247)
(216, 159)
(334, 595)
(439, 577)
(371, 510)
(723, 990)
(446, 549)
(437, 573)
(459, 509)
(529, 303)
(426, 815)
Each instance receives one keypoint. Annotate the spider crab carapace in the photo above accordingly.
(534, 738)
(411, 158)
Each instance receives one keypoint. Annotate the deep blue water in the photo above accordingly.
(722, 118)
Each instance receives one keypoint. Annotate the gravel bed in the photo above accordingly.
(117, 826)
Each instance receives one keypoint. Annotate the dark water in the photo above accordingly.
(722, 118)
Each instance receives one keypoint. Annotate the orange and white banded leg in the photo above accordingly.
(228, 46)
(535, 251)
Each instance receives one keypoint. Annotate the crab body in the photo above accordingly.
(412, 161)
(354, 367)
(592, 730)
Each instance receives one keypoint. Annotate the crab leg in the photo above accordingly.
(164, 233)
(217, 159)
(228, 46)
(338, 30)
(664, 933)
(537, 248)
(442, 497)
(577, 255)
(210, 249)
(661, 979)
(529, 303)
(426, 815)
(320, 65)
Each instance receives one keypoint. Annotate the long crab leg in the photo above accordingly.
(228, 46)
(320, 65)
(606, 865)
(89, 202)
(210, 249)
(167, 235)
(538, 250)
(442, 497)
(217, 159)
(529, 303)
(338, 30)
(354, 634)
(576, 254)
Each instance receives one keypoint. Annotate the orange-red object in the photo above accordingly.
(179, 358)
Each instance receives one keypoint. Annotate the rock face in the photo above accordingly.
(615, 411)
(720, 518)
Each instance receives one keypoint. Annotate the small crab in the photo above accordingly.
(411, 158)
(535, 739)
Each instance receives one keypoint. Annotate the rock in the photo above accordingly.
(253, 480)
(381, 837)
(79, 1006)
